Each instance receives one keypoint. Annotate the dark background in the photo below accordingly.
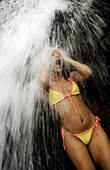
(48, 153)
(51, 154)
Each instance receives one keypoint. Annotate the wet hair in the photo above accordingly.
(66, 66)
(52, 50)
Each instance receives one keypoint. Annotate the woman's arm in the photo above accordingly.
(44, 76)
(83, 71)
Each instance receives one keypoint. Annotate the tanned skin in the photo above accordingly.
(99, 145)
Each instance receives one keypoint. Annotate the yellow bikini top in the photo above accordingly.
(56, 96)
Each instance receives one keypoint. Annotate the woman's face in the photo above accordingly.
(56, 62)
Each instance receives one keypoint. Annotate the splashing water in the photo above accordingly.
(23, 42)
(28, 28)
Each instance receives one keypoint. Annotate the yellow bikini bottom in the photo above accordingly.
(85, 136)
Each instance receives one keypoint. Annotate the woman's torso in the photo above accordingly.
(72, 121)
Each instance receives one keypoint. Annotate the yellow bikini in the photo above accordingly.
(85, 136)
(56, 97)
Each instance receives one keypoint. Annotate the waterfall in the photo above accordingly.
(27, 29)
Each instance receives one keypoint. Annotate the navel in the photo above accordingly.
(82, 120)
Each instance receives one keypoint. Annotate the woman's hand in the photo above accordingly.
(66, 59)
(83, 71)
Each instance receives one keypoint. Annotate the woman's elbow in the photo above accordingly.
(89, 73)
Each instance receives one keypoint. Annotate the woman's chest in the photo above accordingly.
(64, 87)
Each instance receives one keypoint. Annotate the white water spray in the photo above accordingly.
(24, 40)
(22, 50)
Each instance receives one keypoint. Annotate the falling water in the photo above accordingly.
(28, 29)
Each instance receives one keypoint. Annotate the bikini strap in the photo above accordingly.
(69, 97)
(71, 84)
(97, 119)
(62, 133)
(70, 79)
(50, 82)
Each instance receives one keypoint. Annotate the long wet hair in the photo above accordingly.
(66, 66)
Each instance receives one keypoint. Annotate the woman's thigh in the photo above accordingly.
(78, 152)
(99, 148)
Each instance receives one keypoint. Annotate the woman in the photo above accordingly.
(79, 126)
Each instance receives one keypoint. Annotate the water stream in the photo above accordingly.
(27, 29)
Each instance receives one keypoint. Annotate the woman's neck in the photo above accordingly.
(55, 76)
